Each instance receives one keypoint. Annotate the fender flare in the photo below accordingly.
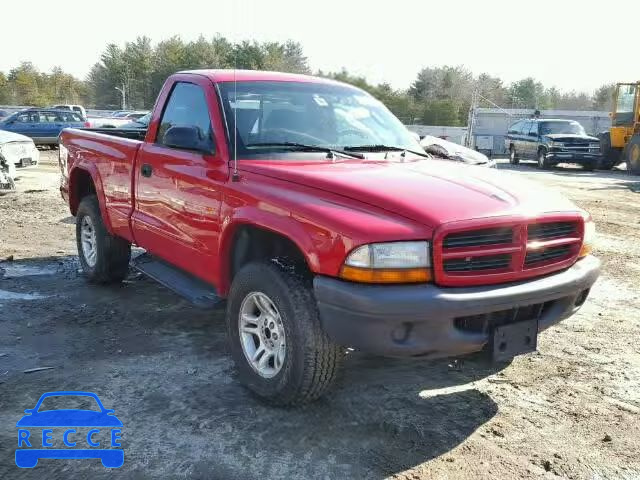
(93, 172)
(282, 225)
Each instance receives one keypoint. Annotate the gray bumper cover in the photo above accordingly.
(412, 320)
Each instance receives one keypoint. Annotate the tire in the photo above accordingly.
(513, 156)
(310, 362)
(610, 156)
(542, 159)
(632, 155)
(589, 166)
(109, 261)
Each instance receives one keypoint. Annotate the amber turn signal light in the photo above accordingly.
(386, 275)
(585, 250)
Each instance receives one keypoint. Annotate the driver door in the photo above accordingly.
(178, 191)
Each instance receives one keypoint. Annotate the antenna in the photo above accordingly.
(235, 177)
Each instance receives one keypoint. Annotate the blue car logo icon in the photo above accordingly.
(36, 429)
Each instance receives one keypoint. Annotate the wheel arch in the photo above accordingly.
(248, 239)
(84, 181)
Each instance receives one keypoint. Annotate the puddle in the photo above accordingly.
(14, 270)
(4, 295)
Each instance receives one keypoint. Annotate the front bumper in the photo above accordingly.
(574, 157)
(427, 320)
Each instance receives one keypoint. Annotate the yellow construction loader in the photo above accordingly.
(622, 142)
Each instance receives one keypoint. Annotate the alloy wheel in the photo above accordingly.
(262, 334)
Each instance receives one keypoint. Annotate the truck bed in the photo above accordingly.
(109, 156)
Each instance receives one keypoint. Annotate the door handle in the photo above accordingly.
(146, 170)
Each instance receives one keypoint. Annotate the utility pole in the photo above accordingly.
(471, 119)
(124, 95)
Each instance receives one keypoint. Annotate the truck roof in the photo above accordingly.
(229, 75)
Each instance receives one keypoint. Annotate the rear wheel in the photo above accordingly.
(513, 156)
(103, 257)
(542, 159)
(281, 352)
(632, 155)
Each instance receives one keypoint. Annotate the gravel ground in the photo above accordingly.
(570, 410)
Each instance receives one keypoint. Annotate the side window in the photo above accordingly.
(526, 125)
(515, 128)
(47, 117)
(24, 118)
(533, 131)
(187, 106)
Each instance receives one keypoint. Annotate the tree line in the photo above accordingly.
(437, 96)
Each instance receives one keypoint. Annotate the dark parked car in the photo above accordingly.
(42, 125)
(550, 141)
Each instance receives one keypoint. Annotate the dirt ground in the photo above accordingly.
(571, 410)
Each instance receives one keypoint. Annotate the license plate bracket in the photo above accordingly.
(25, 162)
(514, 339)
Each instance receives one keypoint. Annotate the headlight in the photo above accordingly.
(557, 144)
(393, 262)
(589, 238)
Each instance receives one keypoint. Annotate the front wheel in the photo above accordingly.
(280, 350)
(632, 155)
(103, 257)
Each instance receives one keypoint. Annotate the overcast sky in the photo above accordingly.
(574, 45)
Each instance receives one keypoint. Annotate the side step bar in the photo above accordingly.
(184, 284)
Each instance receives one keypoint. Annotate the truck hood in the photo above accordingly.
(431, 192)
(6, 137)
(570, 137)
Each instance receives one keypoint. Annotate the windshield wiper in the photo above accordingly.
(385, 148)
(302, 147)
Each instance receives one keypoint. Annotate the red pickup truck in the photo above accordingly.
(307, 206)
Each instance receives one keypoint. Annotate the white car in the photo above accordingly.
(453, 151)
(117, 120)
(74, 108)
(18, 150)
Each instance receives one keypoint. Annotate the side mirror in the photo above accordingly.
(29, 410)
(109, 411)
(533, 134)
(187, 138)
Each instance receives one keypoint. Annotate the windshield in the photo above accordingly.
(574, 128)
(318, 114)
